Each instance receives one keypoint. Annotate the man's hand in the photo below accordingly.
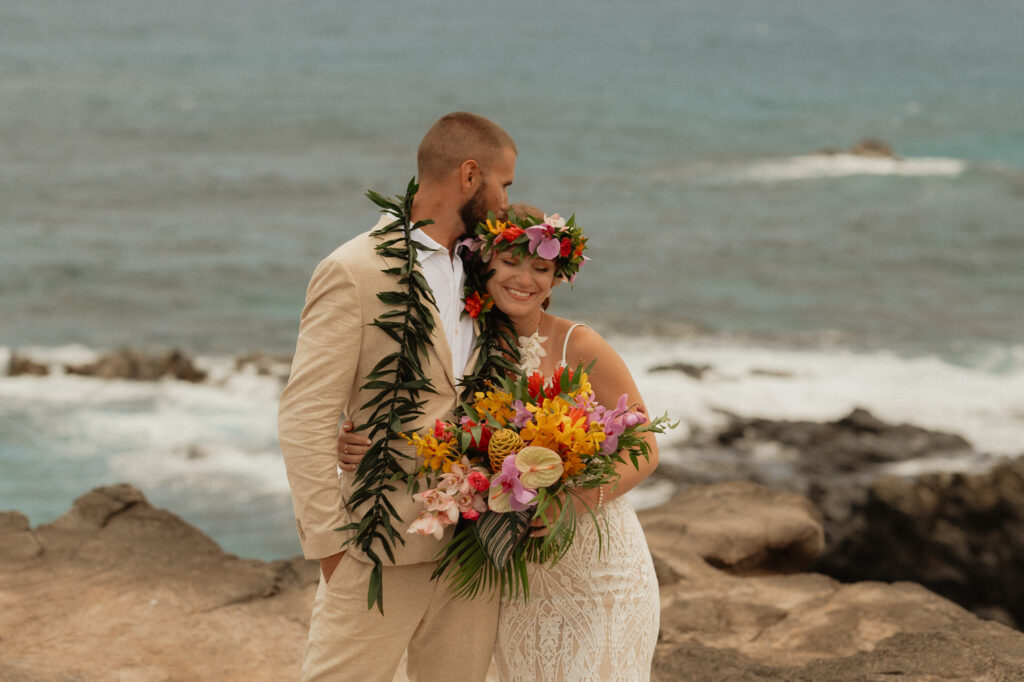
(328, 564)
(351, 447)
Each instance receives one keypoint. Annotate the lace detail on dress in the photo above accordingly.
(593, 617)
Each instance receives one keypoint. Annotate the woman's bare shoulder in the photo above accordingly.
(587, 345)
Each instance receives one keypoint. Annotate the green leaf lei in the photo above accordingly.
(397, 380)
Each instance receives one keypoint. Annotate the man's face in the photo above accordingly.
(492, 195)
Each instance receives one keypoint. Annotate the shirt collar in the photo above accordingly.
(421, 237)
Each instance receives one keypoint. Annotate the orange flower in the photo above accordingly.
(477, 305)
(509, 234)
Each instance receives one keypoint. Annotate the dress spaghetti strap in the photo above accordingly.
(565, 345)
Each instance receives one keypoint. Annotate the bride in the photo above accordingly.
(594, 615)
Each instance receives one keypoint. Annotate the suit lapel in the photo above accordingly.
(475, 353)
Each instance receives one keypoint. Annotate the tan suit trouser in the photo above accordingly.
(448, 639)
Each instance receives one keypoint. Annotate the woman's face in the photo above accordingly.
(520, 286)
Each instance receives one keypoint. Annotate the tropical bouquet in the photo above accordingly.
(514, 460)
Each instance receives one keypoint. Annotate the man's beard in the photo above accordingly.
(473, 211)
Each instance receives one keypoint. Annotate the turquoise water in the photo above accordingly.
(170, 173)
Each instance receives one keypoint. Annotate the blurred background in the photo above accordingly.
(171, 173)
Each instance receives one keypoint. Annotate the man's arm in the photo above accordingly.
(322, 374)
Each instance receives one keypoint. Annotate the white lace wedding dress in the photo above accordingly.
(593, 617)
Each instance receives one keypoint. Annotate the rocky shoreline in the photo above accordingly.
(792, 550)
(958, 533)
(117, 589)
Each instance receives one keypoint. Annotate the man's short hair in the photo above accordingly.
(457, 137)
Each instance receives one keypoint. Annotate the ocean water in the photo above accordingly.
(170, 173)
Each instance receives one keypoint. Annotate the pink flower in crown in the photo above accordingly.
(556, 221)
(543, 242)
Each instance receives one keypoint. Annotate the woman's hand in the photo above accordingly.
(351, 447)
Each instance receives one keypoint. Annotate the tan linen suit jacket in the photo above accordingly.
(337, 347)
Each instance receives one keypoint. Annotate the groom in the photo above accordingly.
(465, 164)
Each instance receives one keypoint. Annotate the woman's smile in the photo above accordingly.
(519, 293)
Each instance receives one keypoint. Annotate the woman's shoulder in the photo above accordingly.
(580, 342)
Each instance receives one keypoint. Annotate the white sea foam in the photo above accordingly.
(212, 446)
(812, 166)
(151, 433)
(984, 406)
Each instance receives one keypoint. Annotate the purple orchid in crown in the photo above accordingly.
(543, 242)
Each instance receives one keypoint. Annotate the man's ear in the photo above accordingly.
(470, 176)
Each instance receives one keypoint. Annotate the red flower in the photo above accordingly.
(478, 481)
(566, 247)
(535, 384)
(509, 234)
(556, 381)
(441, 430)
(485, 434)
(477, 305)
(471, 515)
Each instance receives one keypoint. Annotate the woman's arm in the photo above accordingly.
(610, 378)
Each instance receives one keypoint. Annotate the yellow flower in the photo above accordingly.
(436, 454)
(584, 387)
(498, 405)
(496, 227)
(547, 423)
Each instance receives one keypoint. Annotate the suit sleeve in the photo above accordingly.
(322, 374)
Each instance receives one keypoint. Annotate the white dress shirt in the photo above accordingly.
(446, 278)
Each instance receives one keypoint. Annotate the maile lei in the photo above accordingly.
(396, 381)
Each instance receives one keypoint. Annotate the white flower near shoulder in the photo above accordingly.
(556, 221)
(531, 351)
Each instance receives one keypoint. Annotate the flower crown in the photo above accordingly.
(554, 238)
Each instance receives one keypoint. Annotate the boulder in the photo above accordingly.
(117, 589)
(868, 146)
(959, 534)
(690, 370)
(19, 365)
(132, 364)
(719, 627)
(855, 442)
(740, 527)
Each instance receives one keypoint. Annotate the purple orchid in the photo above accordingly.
(522, 416)
(615, 421)
(543, 242)
(518, 496)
